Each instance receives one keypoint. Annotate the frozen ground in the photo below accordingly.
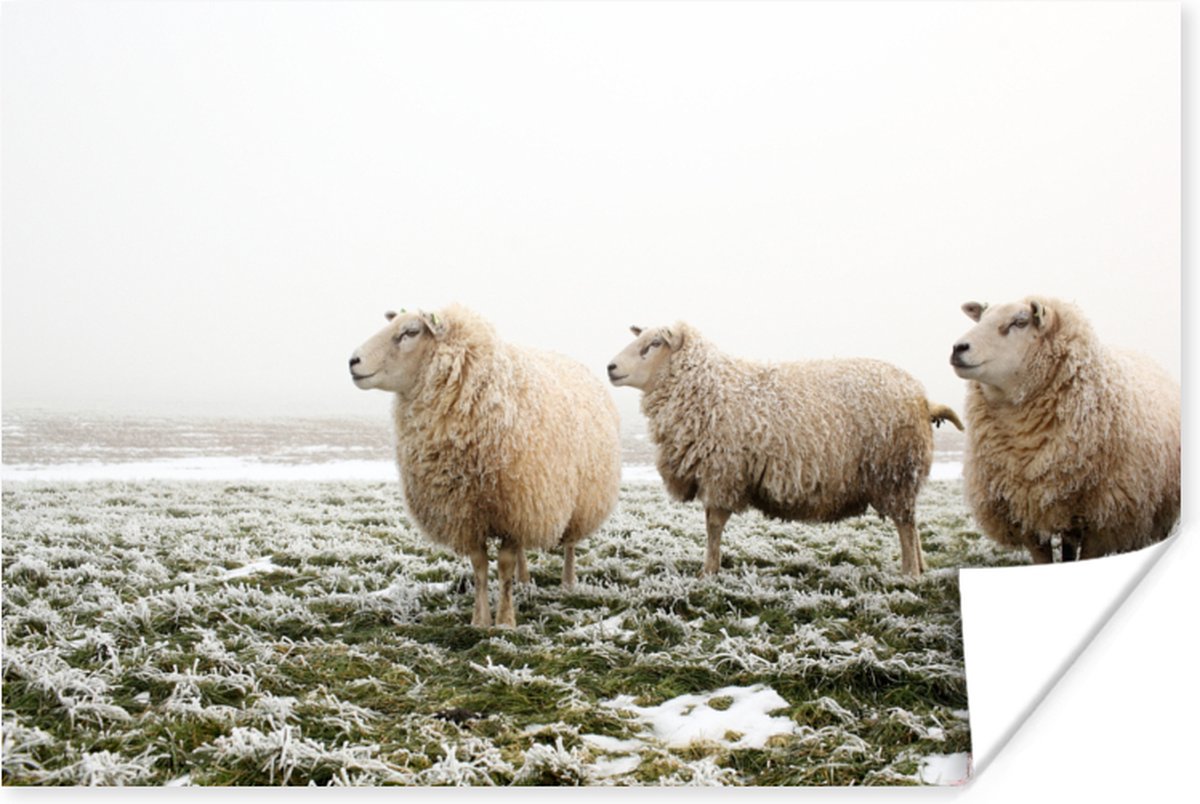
(207, 601)
(303, 632)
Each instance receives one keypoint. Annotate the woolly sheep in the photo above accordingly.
(494, 441)
(812, 441)
(1065, 436)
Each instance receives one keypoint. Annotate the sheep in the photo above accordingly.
(1065, 436)
(494, 442)
(815, 441)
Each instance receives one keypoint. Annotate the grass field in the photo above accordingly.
(292, 633)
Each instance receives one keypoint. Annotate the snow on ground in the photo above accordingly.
(737, 717)
(262, 632)
(229, 468)
(945, 769)
(199, 468)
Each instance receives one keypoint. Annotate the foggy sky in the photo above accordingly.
(207, 207)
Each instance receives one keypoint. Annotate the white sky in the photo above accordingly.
(208, 206)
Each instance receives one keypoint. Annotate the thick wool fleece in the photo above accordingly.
(818, 440)
(1090, 444)
(498, 441)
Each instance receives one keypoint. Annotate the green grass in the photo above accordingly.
(130, 657)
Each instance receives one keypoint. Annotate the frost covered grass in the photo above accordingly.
(304, 633)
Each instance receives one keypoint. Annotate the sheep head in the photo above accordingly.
(997, 352)
(642, 363)
(392, 359)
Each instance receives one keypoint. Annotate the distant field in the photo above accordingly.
(288, 633)
(52, 447)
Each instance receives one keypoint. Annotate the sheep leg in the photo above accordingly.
(522, 567)
(1071, 540)
(714, 521)
(568, 578)
(912, 561)
(507, 563)
(483, 611)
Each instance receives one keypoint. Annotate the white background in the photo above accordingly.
(208, 206)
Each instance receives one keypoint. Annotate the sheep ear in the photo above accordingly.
(389, 315)
(974, 310)
(636, 331)
(434, 323)
(1039, 313)
(672, 338)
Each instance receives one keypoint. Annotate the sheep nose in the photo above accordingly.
(956, 354)
(354, 361)
(612, 367)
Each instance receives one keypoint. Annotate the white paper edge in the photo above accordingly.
(1023, 627)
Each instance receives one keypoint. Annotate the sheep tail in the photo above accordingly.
(941, 413)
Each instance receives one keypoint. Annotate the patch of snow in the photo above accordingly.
(945, 769)
(200, 468)
(686, 719)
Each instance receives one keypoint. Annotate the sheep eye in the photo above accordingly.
(408, 333)
(654, 344)
(1019, 322)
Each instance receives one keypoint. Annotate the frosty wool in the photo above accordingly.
(1065, 436)
(813, 441)
(494, 441)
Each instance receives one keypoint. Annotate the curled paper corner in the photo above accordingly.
(1024, 627)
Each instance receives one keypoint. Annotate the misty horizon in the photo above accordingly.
(208, 207)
